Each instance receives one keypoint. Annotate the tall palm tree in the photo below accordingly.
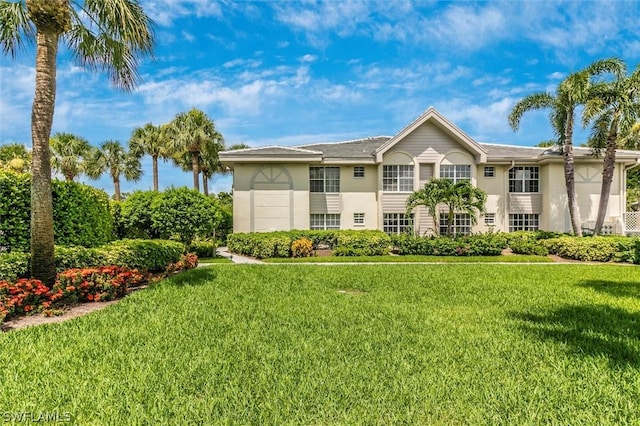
(189, 133)
(571, 93)
(614, 109)
(69, 154)
(460, 197)
(112, 157)
(210, 163)
(108, 35)
(150, 140)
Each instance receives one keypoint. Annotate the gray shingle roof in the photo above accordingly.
(349, 149)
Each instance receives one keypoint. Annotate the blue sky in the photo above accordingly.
(287, 73)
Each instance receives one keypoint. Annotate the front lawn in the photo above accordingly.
(516, 258)
(369, 344)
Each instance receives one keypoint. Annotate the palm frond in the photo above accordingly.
(539, 100)
(16, 29)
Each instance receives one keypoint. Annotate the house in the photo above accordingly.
(364, 183)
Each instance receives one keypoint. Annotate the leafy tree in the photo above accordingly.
(114, 158)
(570, 93)
(192, 134)
(184, 213)
(109, 35)
(150, 140)
(614, 109)
(69, 154)
(135, 215)
(460, 197)
(225, 205)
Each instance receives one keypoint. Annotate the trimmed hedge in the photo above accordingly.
(81, 213)
(595, 249)
(144, 255)
(263, 245)
(471, 245)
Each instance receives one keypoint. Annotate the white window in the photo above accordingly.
(489, 219)
(397, 178)
(324, 221)
(324, 179)
(489, 171)
(358, 218)
(523, 222)
(397, 223)
(461, 223)
(358, 171)
(524, 179)
(455, 172)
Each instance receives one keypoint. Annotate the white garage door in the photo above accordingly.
(271, 210)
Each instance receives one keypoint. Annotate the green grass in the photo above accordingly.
(516, 258)
(405, 344)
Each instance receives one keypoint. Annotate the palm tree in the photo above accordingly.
(109, 35)
(571, 92)
(614, 109)
(15, 157)
(114, 158)
(69, 154)
(150, 140)
(189, 134)
(460, 197)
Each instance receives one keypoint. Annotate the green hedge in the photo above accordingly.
(490, 244)
(594, 249)
(144, 255)
(81, 213)
(263, 245)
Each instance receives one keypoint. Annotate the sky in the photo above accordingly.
(299, 72)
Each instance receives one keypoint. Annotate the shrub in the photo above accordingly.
(94, 284)
(302, 247)
(184, 213)
(187, 261)
(598, 249)
(22, 297)
(135, 215)
(80, 212)
(14, 265)
(528, 247)
(362, 243)
(202, 248)
(472, 245)
(145, 255)
(78, 257)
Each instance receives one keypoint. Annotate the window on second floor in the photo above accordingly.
(397, 178)
(455, 172)
(358, 171)
(324, 179)
(489, 171)
(524, 179)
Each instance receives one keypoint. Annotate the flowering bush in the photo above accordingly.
(302, 247)
(94, 284)
(187, 261)
(22, 297)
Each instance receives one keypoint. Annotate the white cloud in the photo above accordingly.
(308, 58)
(164, 12)
(480, 119)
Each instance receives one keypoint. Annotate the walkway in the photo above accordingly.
(235, 258)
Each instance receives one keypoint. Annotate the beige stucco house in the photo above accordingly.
(364, 184)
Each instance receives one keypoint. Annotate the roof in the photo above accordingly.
(358, 148)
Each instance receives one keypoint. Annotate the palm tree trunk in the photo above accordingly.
(154, 160)
(450, 219)
(607, 176)
(116, 187)
(205, 184)
(196, 170)
(42, 244)
(569, 176)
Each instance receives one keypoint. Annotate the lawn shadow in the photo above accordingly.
(589, 330)
(194, 277)
(614, 288)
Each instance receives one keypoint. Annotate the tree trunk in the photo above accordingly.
(42, 245)
(154, 160)
(607, 176)
(205, 184)
(450, 220)
(196, 170)
(116, 187)
(569, 176)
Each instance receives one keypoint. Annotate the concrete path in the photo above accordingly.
(235, 258)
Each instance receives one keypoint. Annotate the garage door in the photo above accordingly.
(271, 210)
